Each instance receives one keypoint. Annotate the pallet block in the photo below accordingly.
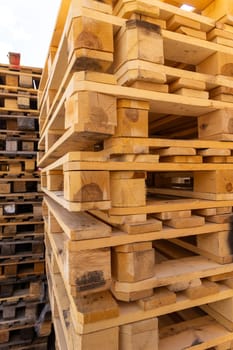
(104, 340)
(218, 244)
(10, 103)
(216, 125)
(93, 112)
(127, 189)
(139, 335)
(25, 80)
(28, 146)
(53, 180)
(217, 63)
(86, 186)
(23, 102)
(92, 40)
(5, 188)
(219, 181)
(134, 41)
(133, 262)
(85, 271)
(11, 146)
(19, 186)
(132, 118)
(11, 80)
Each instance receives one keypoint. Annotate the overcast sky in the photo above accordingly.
(26, 27)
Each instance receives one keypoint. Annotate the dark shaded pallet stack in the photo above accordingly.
(136, 151)
(25, 321)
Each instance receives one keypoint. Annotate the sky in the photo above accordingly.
(26, 27)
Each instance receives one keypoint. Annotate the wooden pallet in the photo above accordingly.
(27, 288)
(12, 145)
(12, 248)
(19, 337)
(92, 233)
(129, 318)
(21, 229)
(81, 55)
(17, 165)
(148, 183)
(20, 313)
(21, 267)
(21, 206)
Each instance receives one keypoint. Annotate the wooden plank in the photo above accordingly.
(185, 335)
(192, 33)
(78, 226)
(129, 312)
(169, 272)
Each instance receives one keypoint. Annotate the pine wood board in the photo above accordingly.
(200, 333)
(131, 312)
(118, 237)
(170, 73)
(192, 194)
(165, 11)
(219, 259)
(78, 226)
(58, 197)
(173, 271)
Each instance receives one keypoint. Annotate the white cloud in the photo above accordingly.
(26, 27)
(7, 17)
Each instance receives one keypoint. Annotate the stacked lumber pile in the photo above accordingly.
(136, 151)
(24, 309)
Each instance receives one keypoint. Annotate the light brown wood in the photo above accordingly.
(213, 181)
(184, 335)
(133, 266)
(218, 63)
(178, 270)
(139, 335)
(206, 288)
(188, 84)
(216, 243)
(93, 35)
(106, 340)
(218, 9)
(188, 222)
(135, 41)
(5, 187)
(192, 93)
(86, 186)
(127, 192)
(168, 215)
(176, 21)
(132, 121)
(215, 123)
(192, 32)
(11, 80)
(78, 226)
(92, 112)
(54, 181)
(161, 296)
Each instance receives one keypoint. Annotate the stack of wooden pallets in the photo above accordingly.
(136, 151)
(24, 310)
